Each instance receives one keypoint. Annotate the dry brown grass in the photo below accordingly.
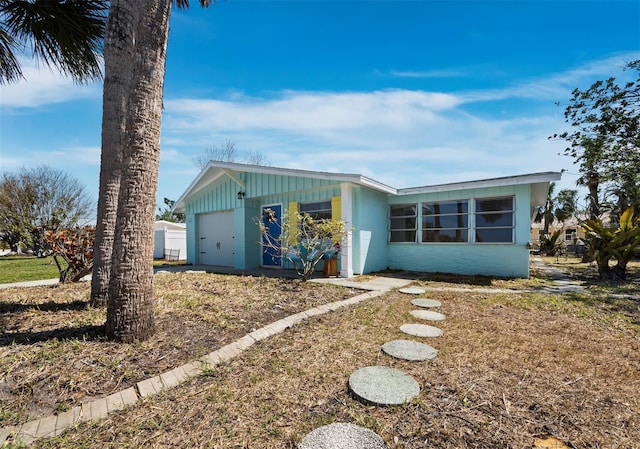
(510, 368)
(53, 354)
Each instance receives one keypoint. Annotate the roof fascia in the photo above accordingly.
(232, 175)
(329, 176)
(532, 178)
(196, 185)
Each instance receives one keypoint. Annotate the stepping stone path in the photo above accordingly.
(421, 330)
(342, 436)
(409, 350)
(413, 290)
(426, 303)
(427, 315)
(381, 385)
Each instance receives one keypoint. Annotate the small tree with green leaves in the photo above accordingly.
(167, 214)
(607, 243)
(303, 241)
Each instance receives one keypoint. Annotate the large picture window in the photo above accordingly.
(494, 220)
(445, 221)
(403, 220)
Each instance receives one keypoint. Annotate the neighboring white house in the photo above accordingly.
(170, 240)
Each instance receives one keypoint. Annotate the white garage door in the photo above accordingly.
(216, 239)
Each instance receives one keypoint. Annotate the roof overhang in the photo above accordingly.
(216, 170)
(535, 179)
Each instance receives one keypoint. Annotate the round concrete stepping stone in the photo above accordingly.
(427, 315)
(409, 350)
(426, 303)
(421, 330)
(382, 385)
(412, 290)
(342, 436)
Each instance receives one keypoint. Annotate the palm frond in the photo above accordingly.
(68, 34)
(184, 4)
(10, 70)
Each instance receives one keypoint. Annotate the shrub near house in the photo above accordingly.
(302, 240)
(606, 243)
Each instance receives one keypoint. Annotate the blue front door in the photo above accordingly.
(271, 256)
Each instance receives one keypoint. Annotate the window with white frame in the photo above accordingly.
(403, 223)
(494, 220)
(446, 221)
(320, 210)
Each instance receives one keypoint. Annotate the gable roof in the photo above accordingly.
(215, 170)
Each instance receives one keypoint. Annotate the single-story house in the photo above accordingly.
(170, 240)
(477, 227)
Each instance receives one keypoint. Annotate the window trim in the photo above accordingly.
(415, 216)
(472, 214)
(467, 214)
(314, 211)
(512, 211)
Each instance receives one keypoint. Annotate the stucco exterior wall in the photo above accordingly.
(498, 259)
(369, 231)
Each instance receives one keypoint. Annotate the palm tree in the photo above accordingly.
(67, 34)
(546, 212)
(135, 54)
(560, 207)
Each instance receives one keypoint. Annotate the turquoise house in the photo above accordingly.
(477, 227)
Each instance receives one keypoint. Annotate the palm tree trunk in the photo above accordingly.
(118, 52)
(130, 300)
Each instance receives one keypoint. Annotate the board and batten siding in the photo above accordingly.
(260, 189)
(497, 259)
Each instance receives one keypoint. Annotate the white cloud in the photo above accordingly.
(401, 137)
(319, 111)
(558, 86)
(70, 157)
(42, 86)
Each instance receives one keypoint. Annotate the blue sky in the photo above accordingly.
(408, 93)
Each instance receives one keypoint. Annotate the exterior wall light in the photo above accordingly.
(241, 195)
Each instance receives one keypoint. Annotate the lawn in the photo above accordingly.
(511, 366)
(29, 268)
(26, 268)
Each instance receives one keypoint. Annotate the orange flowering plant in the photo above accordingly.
(72, 251)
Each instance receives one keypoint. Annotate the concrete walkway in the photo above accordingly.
(562, 282)
(30, 283)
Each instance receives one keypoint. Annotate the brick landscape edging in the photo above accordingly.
(54, 425)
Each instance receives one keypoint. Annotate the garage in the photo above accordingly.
(216, 239)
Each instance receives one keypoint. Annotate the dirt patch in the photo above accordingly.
(53, 354)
